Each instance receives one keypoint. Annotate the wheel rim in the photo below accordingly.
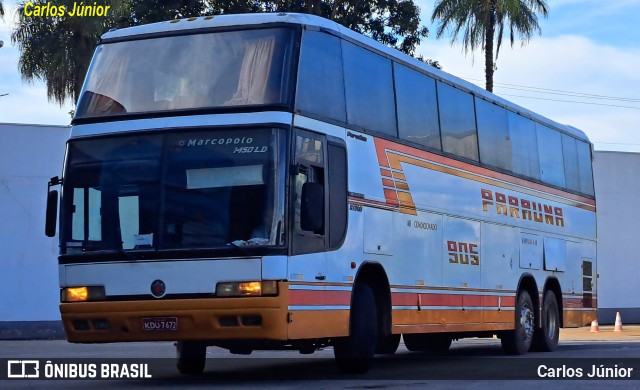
(527, 323)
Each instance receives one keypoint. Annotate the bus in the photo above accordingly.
(277, 181)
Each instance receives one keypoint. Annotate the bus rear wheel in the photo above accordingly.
(427, 342)
(545, 339)
(192, 356)
(518, 341)
(353, 354)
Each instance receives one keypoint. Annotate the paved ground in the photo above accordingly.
(606, 333)
(471, 363)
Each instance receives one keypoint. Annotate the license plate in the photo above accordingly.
(160, 323)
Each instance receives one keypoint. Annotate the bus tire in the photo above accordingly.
(353, 354)
(427, 342)
(192, 356)
(545, 338)
(388, 345)
(518, 341)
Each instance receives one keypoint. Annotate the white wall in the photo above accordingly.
(29, 156)
(617, 184)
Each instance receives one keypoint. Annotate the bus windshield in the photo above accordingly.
(212, 70)
(175, 190)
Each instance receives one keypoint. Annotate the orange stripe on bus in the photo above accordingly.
(402, 186)
(399, 176)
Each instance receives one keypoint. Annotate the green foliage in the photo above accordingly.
(394, 23)
(151, 11)
(58, 49)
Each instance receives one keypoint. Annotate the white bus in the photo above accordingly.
(276, 181)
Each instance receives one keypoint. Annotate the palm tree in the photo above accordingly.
(58, 50)
(1, 11)
(481, 19)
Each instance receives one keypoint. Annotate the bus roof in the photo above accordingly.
(218, 21)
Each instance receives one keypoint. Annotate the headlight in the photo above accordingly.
(82, 294)
(247, 289)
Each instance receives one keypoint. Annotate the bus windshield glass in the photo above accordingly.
(175, 190)
(212, 70)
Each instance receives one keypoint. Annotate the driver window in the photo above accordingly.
(310, 159)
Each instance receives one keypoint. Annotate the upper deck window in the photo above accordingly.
(368, 80)
(458, 122)
(223, 69)
(320, 76)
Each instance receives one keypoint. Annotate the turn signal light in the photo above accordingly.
(247, 289)
(82, 294)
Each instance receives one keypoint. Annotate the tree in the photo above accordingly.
(481, 19)
(392, 22)
(1, 11)
(58, 50)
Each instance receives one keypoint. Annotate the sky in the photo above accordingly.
(583, 70)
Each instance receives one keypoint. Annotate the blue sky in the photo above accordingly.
(587, 47)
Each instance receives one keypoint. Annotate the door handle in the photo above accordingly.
(320, 277)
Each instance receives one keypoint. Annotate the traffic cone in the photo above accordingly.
(594, 326)
(618, 325)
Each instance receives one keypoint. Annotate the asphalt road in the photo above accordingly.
(471, 363)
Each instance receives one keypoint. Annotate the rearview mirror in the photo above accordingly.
(312, 208)
(51, 214)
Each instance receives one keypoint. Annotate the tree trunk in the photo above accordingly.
(488, 49)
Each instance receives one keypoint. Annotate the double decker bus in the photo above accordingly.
(277, 181)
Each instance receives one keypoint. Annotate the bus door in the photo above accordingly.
(308, 263)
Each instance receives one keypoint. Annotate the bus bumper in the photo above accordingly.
(195, 319)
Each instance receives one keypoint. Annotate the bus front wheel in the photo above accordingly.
(353, 354)
(192, 356)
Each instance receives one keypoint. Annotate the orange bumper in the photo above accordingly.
(197, 319)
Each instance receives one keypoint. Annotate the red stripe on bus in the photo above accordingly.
(319, 298)
(462, 300)
(490, 301)
(343, 298)
(388, 183)
(391, 196)
(574, 302)
(473, 300)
